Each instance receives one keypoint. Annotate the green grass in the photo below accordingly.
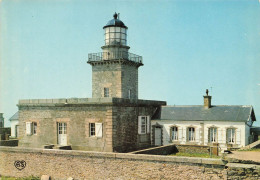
(254, 149)
(13, 178)
(203, 155)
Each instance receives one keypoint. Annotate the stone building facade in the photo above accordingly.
(207, 125)
(118, 119)
(113, 120)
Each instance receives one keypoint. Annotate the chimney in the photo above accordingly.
(1, 120)
(207, 100)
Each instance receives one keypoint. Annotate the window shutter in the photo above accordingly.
(209, 135)
(197, 134)
(28, 128)
(139, 124)
(148, 124)
(98, 128)
(237, 136)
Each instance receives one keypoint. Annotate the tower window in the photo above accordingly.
(106, 92)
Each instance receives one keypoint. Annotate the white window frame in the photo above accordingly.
(106, 92)
(28, 128)
(95, 130)
(191, 134)
(213, 135)
(143, 124)
(174, 133)
(231, 137)
(62, 128)
(129, 94)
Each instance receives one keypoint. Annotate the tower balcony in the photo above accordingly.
(105, 56)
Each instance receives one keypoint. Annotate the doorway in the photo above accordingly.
(157, 136)
(62, 134)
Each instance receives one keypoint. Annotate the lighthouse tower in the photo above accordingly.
(115, 70)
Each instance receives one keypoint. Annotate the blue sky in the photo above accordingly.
(187, 47)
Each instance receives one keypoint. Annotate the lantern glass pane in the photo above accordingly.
(107, 36)
(112, 35)
(117, 35)
(123, 30)
(118, 29)
(123, 36)
(107, 30)
(112, 29)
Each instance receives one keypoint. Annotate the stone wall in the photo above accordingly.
(96, 165)
(77, 119)
(192, 149)
(9, 143)
(119, 118)
(60, 164)
(161, 150)
(118, 76)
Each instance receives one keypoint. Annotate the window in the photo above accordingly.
(174, 133)
(62, 128)
(34, 128)
(95, 130)
(31, 128)
(212, 134)
(191, 134)
(106, 92)
(231, 133)
(143, 124)
(92, 131)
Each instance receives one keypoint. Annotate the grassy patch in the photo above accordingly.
(203, 155)
(254, 149)
(26, 178)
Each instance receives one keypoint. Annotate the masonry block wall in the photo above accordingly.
(60, 164)
(126, 125)
(119, 119)
(118, 76)
(77, 119)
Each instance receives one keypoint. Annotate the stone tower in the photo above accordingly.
(115, 70)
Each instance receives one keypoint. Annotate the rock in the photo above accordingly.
(45, 177)
(70, 178)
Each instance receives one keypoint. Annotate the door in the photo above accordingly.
(16, 131)
(158, 136)
(62, 134)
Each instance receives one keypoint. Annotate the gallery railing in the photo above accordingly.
(102, 56)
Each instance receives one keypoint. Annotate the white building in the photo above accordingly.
(203, 125)
(14, 125)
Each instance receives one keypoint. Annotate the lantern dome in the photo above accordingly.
(115, 22)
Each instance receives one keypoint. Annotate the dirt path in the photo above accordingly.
(246, 155)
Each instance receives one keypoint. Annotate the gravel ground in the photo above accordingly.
(246, 155)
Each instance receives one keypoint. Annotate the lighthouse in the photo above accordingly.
(115, 69)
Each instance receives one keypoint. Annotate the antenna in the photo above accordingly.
(118, 15)
(211, 90)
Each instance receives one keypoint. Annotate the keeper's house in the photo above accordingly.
(227, 126)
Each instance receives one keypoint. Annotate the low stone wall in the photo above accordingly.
(9, 143)
(243, 171)
(61, 164)
(161, 150)
(174, 148)
(192, 149)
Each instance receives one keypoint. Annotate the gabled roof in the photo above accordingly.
(15, 117)
(199, 113)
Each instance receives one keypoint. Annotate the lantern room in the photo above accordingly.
(115, 32)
